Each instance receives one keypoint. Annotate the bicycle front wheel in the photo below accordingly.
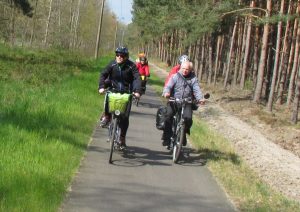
(137, 102)
(178, 144)
(112, 139)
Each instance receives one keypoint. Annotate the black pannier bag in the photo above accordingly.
(160, 117)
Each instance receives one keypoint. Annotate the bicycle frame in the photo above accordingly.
(114, 132)
(178, 127)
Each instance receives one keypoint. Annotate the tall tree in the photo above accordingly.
(230, 54)
(263, 56)
(247, 48)
(282, 70)
(275, 68)
(295, 109)
(48, 23)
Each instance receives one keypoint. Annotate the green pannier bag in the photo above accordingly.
(117, 101)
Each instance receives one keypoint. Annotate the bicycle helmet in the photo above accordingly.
(122, 50)
(183, 58)
(143, 59)
(141, 55)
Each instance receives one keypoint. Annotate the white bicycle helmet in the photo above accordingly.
(183, 58)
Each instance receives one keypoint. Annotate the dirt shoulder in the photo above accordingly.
(268, 144)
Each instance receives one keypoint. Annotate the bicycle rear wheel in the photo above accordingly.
(112, 139)
(178, 144)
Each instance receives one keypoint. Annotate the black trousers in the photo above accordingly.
(124, 118)
(144, 83)
(171, 110)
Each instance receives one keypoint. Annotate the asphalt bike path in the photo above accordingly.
(143, 178)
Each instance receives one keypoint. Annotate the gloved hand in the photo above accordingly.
(137, 95)
(101, 90)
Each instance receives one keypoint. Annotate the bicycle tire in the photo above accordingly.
(178, 145)
(112, 139)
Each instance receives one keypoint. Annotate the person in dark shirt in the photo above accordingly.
(120, 75)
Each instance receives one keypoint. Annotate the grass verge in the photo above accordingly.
(243, 186)
(156, 82)
(49, 107)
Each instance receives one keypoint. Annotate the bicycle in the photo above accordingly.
(135, 99)
(114, 130)
(178, 127)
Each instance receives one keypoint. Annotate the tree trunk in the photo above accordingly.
(197, 57)
(172, 47)
(48, 23)
(295, 63)
(160, 48)
(255, 57)
(238, 54)
(294, 70)
(210, 65)
(247, 49)
(275, 68)
(34, 17)
(295, 109)
(217, 58)
(76, 25)
(202, 59)
(12, 34)
(282, 68)
(263, 57)
(242, 50)
(230, 55)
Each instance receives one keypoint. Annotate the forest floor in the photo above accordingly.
(267, 142)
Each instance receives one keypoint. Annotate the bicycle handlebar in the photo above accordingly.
(112, 91)
(184, 100)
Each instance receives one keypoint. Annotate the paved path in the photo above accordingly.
(143, 179)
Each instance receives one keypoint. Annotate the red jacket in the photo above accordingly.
(173, 71)
(143, 69)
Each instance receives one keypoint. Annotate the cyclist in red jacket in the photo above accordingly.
(176, 68)
(143, 67)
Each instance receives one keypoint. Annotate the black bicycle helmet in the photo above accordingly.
(183, 58)
(122, 50)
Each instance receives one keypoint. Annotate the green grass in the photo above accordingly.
(156, 82)
(49, 107)
(244, 187)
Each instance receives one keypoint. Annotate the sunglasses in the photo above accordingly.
(120, 55)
